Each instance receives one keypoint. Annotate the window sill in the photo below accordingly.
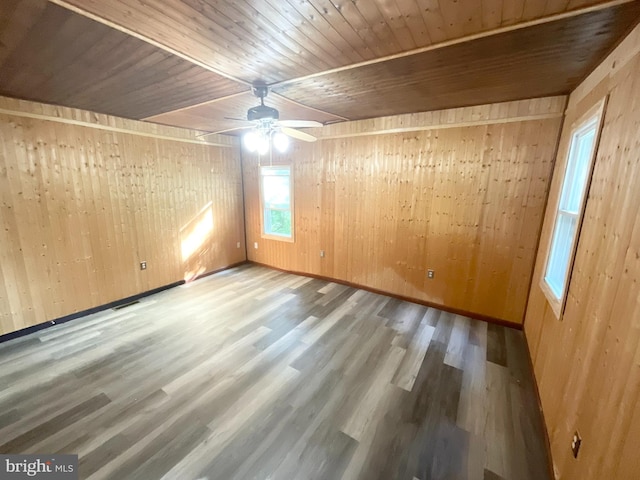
(556, 304)
(277, 237)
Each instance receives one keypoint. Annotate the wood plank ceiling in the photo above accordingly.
(190, 63)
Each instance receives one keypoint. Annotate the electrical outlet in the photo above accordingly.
(575, 444)
(431, 274)
(255, 245)
(238, 245)
(321, 253)
(143, 265)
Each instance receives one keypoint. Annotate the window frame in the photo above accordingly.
(593, 115)
(263, 232)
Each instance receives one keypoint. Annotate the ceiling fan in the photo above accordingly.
(266, 127)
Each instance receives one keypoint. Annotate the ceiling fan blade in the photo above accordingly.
(299, 123)
(298, 134)
(226, 130)
(237, 119)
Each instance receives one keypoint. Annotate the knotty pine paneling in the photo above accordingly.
(81, 206)
(467, 202)
(280, 40)
(51, 54)
(587, 365)
(537, 61)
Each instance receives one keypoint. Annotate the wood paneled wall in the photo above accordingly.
(84, 198)
(587, 364)
(464, 196)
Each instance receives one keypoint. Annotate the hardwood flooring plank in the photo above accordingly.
(450, 454)
(159, 456)
(408, 371)
(478, 334)
(496, 345)
(105, 440)
(476, 457)
(248, 441)
(98, 424)
(497, 420)
(473, 393)
(318, 355)
(336, 291)
(326, 455)
(367, 410)
(241, 412)
(438, 420)
(458, 341)
(17, 346)
(323, 310)
(531, 460)
(281, 440)
(9, 417)
(328, 321)
(69, 417)
(264, 309)
(489, 475)
(254, 373)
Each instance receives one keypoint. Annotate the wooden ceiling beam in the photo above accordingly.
(338, 117)
(188, 107)
(108, 128)
(457, 41)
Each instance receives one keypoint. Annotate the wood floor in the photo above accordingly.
(258, 374)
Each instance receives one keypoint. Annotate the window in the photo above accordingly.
(570, 209)
(276, 189)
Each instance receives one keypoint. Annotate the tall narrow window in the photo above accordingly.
(570, 209)
(276, 191)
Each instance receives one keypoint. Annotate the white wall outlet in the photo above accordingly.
(431, 274)
(321, 253)
(238, 245)
(255, 245)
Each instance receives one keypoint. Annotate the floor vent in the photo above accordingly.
(125, 305)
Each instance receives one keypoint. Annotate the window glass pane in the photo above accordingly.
(560, 253)
(277, 222)
(281, 170)
(570, 210)
(276, 201)
(577, 170)
(275, 191)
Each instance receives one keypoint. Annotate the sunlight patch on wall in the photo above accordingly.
(194, 242)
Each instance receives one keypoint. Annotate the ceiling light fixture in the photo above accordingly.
(280, 141)
(259, 139)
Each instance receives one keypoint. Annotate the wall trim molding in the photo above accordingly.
(516, 111)
(421, 128)
(109, 128)
(445, 308)
(111, 305)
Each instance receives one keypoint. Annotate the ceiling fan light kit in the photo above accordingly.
(267, 130)
(280, 141)
(259, 139)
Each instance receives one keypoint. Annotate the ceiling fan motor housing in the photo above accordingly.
(262, 112)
